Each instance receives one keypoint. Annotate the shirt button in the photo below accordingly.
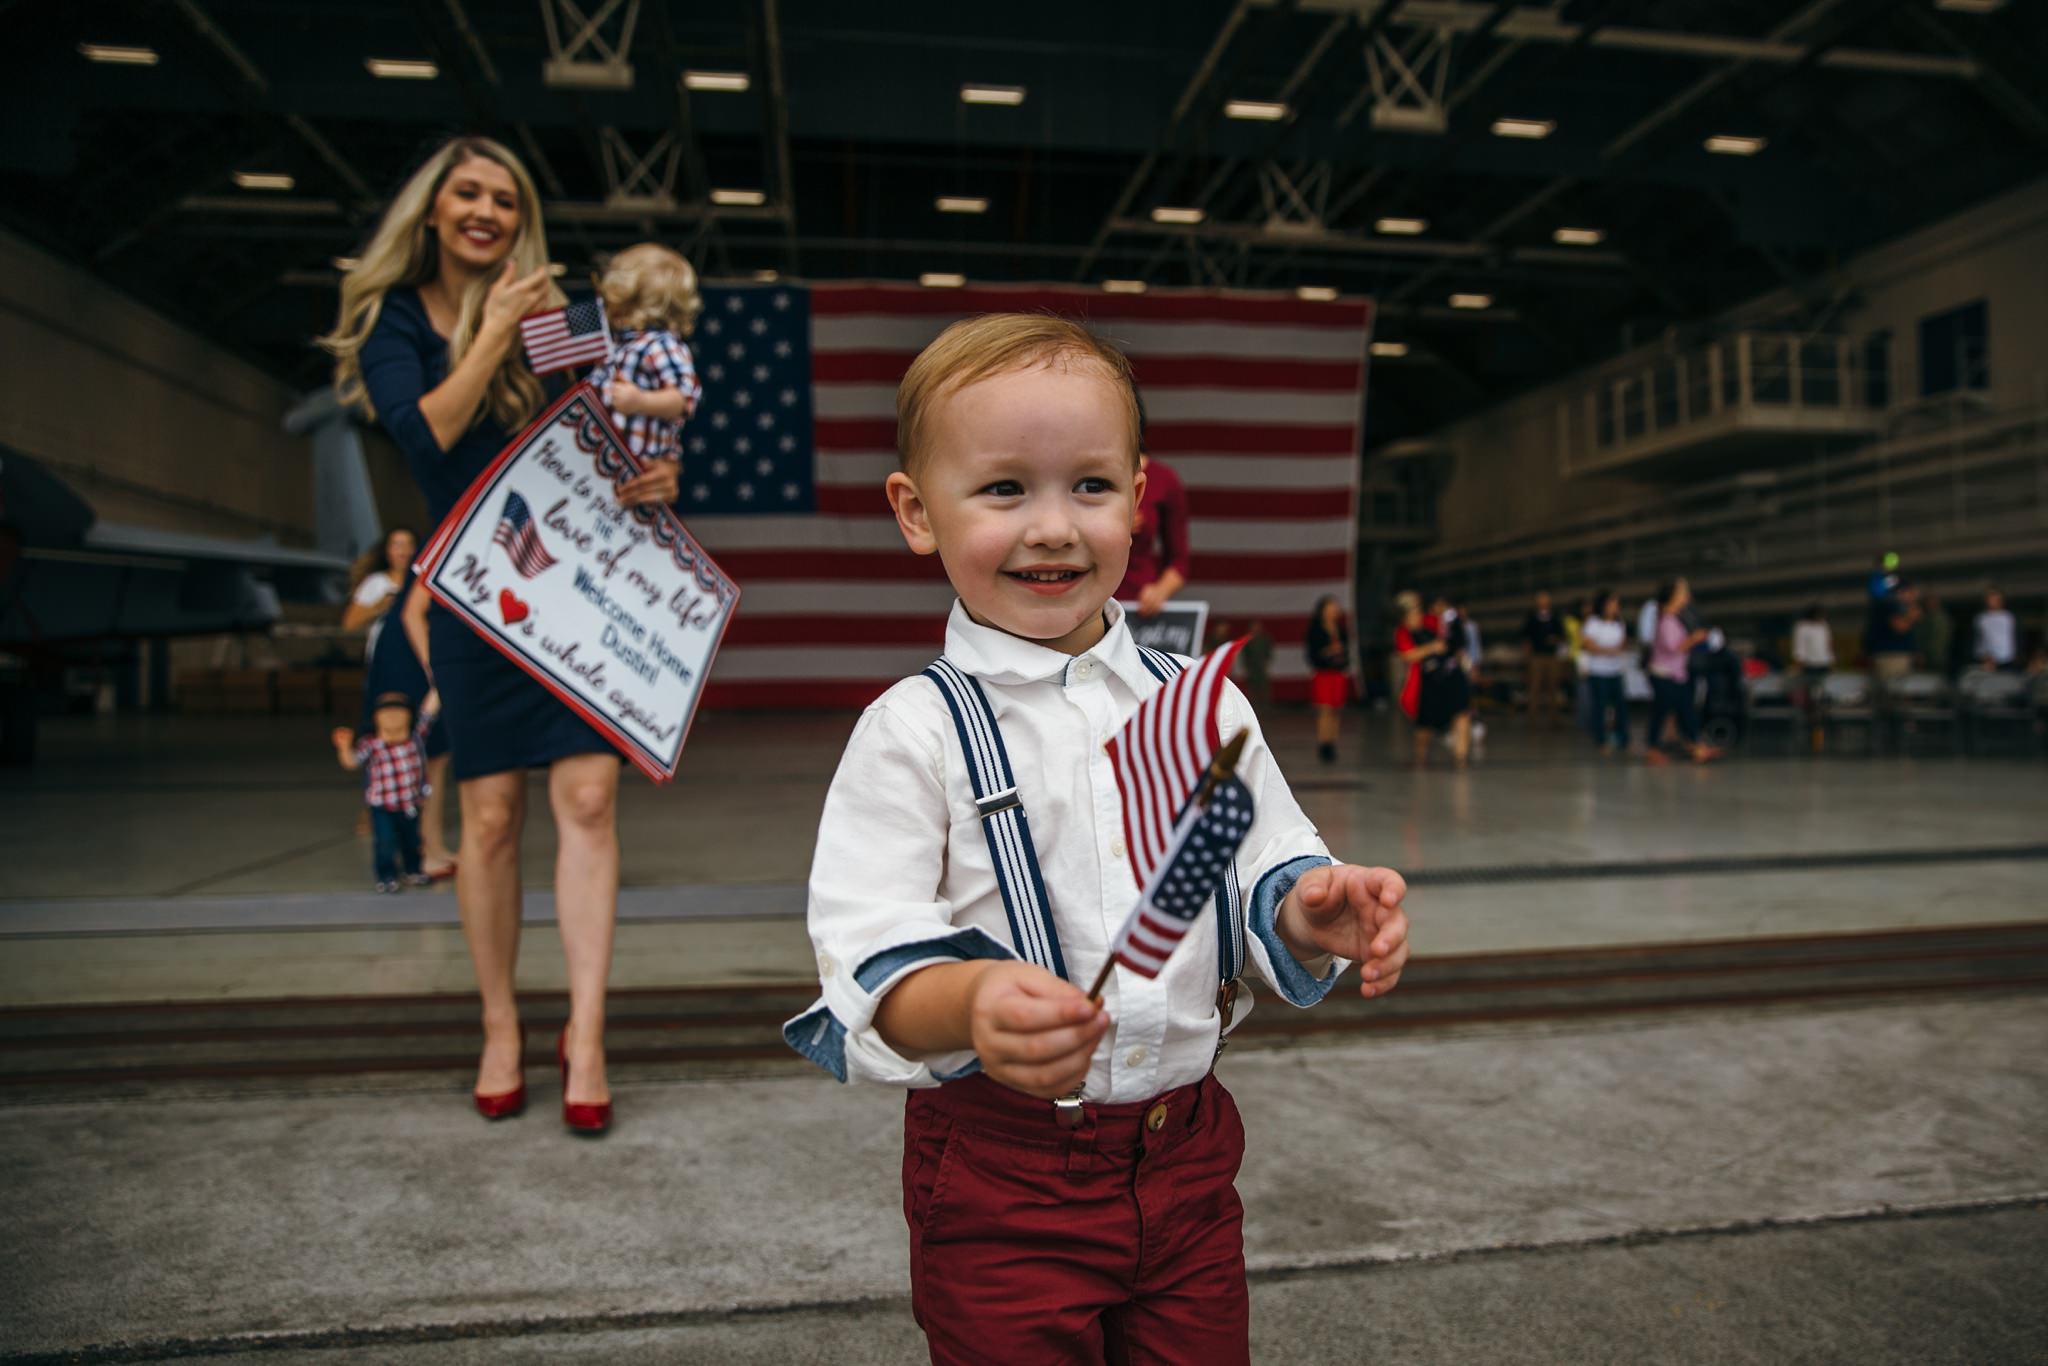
(826, 967)
(1116, 847)
(1135, 1058)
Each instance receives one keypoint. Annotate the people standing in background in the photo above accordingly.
(1933, 634)
(1575, 650)
(1997, 644)
(393, 762)
(1813, 655)
(379, 588)
(1604, 647)
(1329, 660)
(1888, 640)
(1257, 659)
(1671, 677)
(1160, 560)
(1542, 635)
(1437, 695)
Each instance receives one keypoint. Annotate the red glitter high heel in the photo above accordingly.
(585, 1119)
(505, 1104)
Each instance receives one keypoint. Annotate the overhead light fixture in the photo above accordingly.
(767, 277)
(1012, 95)
(1729, 145)
(1123, 286)
(263, 180)
(1174, 215)
(941, 279)
(1260, 111)
(730, 81)
(1532, 129)
(1401, 227)
(1970, 6)
(116, 55)
(1578, 237)
(743, 198)
(1315, 294)
(1390, 349)
(401, 68)
(344, 264)
(1471, 301)
(962, 203)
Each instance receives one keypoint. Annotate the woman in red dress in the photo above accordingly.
(1437, 696)
(1329, 660)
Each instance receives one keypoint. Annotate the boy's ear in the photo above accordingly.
(912, 518)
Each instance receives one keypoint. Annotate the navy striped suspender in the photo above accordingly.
(1230, 948)
(1003, 822)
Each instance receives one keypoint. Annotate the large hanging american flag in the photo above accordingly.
(1257, 401)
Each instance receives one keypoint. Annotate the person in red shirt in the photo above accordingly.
(1159, 538)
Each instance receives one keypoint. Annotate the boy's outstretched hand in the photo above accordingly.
(1353, 913)
(1032, 1031)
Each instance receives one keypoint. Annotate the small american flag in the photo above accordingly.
(1179, 849)
(516, 533)
(566, 337)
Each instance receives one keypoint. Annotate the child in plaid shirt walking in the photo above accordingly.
(650, 384)
(394, 764)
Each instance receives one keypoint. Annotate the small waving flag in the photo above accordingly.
(515, 531)
(566, 337)
(1185, 811)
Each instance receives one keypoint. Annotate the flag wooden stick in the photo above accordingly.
(1220, 769)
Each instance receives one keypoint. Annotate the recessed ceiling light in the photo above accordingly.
(1578, 237)
(992, 94)
(1320, 294)
(117, 55)
(744, 198)
(716, 80)
(263, 180)
(1401, 227)
(1471, 301)
(1524, 128)
(344, 264)
(1124, 286)
(1390, 348)
(961, 203)
(1262, 111)
(767, 277)
(401, 68)
(1728, 144)
(941, 279)
(1174, 215)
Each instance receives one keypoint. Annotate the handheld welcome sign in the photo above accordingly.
(617, 611)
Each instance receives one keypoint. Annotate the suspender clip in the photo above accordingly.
(996, 803)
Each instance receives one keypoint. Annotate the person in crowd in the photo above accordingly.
(1813, 655)
(1997, 636)
(1575, 620)
(1543, 637)
(1257, 658)
(393, 762)
(650, 383)
(1670, 676)
(1160, 562)
(1437, 695)
(1933, 634)
(1889, 639)
(395, 667)
(379, 586)
(1110, 1217)
(1603, 643)
(427, 342)
(1329, 662)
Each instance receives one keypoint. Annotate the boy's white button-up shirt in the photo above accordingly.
(903, 877)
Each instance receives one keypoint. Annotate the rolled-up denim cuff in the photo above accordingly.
(1297, 986)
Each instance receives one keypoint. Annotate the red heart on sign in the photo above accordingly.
(512, 607)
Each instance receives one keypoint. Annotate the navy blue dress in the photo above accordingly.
(497, 717)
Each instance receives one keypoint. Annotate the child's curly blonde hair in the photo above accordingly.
(649, 286)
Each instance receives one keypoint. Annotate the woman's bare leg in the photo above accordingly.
(1326, 725)
(1461, 737)
(487, 894)
(583, 791)
(434, 850)
(1422, 743)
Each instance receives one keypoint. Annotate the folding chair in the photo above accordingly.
(1848, 700)
(1991, 701)
(1922, 704)
(1772, 705)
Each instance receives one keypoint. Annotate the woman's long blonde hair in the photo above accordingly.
(404, 251)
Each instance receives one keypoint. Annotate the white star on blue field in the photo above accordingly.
(749, 448)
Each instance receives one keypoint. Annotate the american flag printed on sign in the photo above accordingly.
(515, 531)
(1203, 846)
(563, 338)
(1161, 753)
(1257, 401)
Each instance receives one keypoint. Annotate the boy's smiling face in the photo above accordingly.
(1027, 489)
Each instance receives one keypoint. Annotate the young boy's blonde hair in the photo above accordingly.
(993, 344)
(649, 286)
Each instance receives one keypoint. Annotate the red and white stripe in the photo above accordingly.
(1256, 400)
(1161, 752)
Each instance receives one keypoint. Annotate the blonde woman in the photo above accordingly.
(428, 344)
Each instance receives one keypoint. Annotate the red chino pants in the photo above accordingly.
(1119, 1240)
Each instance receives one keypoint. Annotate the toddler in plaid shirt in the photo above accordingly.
(394, 765)
(650, 384)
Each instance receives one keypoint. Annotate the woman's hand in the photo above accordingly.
(1152, 597)
(657, 484)
(512, 298)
